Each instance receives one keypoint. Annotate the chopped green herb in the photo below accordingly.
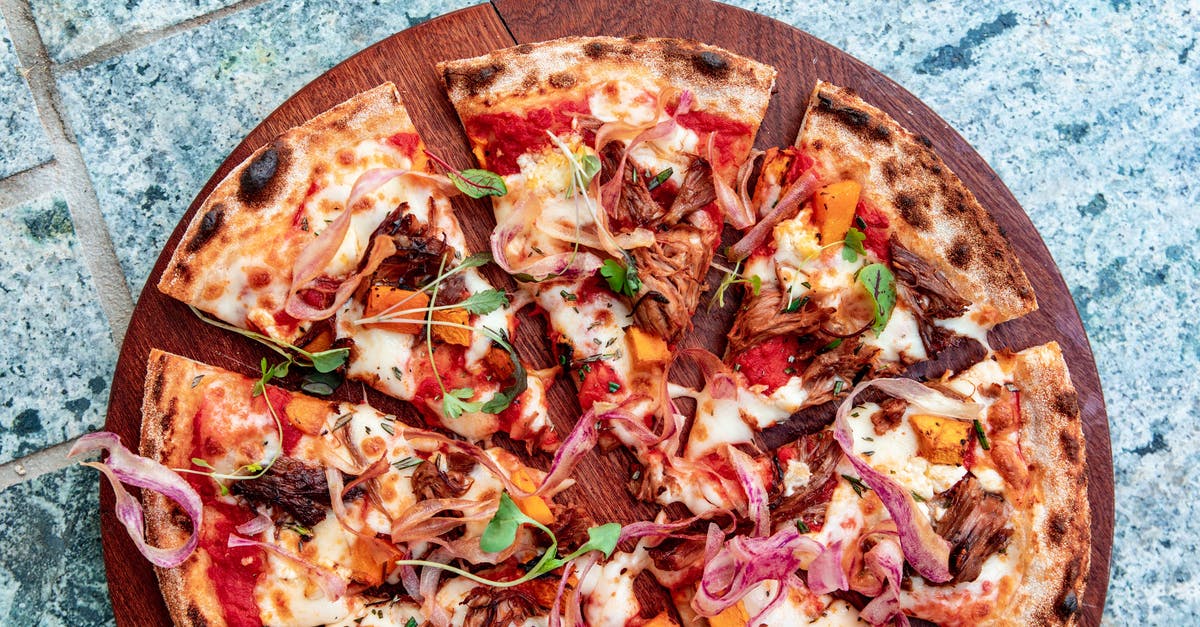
(387, 426)
(196, 380)
(857, 484)
(614, 387)
(802, 526)
(795, 305)
(660, 178)
(837, 387)
(621, 279)
(568, 296)
(412, 622)
(396, 372)
(917, 497)
(830, 346)
(407, 462)
(342, 421)
(300, 530)
(983, 439)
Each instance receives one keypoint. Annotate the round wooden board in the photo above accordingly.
(408, 59)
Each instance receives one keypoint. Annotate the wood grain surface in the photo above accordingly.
(408, 59)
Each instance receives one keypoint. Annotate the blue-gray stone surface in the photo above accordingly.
(51, 565)
(1089, 111)
(154, 124)
(58, 355)
(22, 140)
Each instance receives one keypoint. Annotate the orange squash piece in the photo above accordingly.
(382, 297)
(646, 347)
(534, 506)
(833, 210)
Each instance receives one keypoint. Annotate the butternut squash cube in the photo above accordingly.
(733, 616)
(833, 210)
(645, 347)
(534, 506)
(662, 620)
(941, 440)
(307, 414)
(382, 297)
(452, 335)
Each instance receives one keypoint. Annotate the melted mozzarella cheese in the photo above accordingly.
(288, 595)
(968, 325)
(589, 324)
(796, 476)
(718, 422)
(608, 589)
(900, 340)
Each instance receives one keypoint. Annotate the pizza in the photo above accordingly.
(336, 236)
(613, 166)
(616, 153)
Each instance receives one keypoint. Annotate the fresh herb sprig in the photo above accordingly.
(473, 182)
(622, 279)
(321, 361)
(733, 277)
(501, 532)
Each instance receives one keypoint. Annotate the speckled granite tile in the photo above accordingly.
(22, 140)
(155, 123)
(73, 28)
(51, 566)
(58, 355)
(1089, 112)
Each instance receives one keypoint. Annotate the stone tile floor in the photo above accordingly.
(112, 115)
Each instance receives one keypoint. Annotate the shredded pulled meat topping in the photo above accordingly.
(764, 318)
(673, 269)
(696, 192)
(488, 607)
(974, 525)
(429, 481)
(808, 503)
(634, 205)
(420, 251)
(933, 294)
(889, 415)
(297, 488)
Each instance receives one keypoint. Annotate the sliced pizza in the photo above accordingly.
(269, 507)
(335, 238)
(615, 153)
(961, 501)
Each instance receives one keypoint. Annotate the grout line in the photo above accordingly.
(140, 39)
(36, 464)
(71, 175)
(28, 184)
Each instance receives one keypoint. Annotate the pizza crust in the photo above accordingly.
(169, 404)
(248, 218)
(1057, 552)
(930, 210)
(721, 82)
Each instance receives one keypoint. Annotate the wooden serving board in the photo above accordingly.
(408, 59)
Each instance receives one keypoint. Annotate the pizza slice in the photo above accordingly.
(269, 507)
(961, 501)
(869, 255)
(336, 239)
(617, 154)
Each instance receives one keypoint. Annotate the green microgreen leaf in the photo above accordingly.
(478, 183)
(589, 166)
(501, 530)
(660, 178)
(321, 383)
(881, 287)
(621, 279)
(201, 463)
(854, 245)
(454, 402)
(330, 360)
(485, 302)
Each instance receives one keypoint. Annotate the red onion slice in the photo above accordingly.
(256, 525)
(825, 573)
(787, 207)
(123, 466)
(887, 560)
(756, 493)
(333, 585)
(430, 576)
(733, 570)
(925, 550)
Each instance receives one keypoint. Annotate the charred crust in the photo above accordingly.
(912, 211)
(155, 393)
(530, 81)
(183, 271)
(710, 63)
(1066, 403)
(257, 182)
(195, 616)
(596, 49)
(562, 80)
(960, 253)
(209, 225)
(891, 171)
(851, 117)
(168, 417)
(1067, 604)
(925, 141)
(525, 48)
(1058, 527)
(1070, 445)
(475, 79)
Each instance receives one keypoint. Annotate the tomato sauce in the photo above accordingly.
(506, 136)
(800, 164)
(406, 143)
(233, 571)
(597, 376)
(768, 363)
(731, 141)
(279, 402)
(876, 230)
